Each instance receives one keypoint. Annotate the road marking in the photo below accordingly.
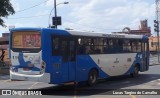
(69, 83)
(133, 96)
(30, 88)
(75, 93)
(32, 85)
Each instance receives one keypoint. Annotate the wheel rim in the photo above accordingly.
(92, 78)
(136, 71)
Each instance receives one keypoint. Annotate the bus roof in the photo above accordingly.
(116, 35)
(82, 33)
(26, 29)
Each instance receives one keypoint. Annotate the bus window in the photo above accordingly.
(139, 46)
(72, 50)
(110, 46)
(120, 46)
(56, 46)
(64, 50)
(81, 46)
(126, 46)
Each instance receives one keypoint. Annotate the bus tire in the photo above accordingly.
(92, 77)
(13, 80)
(136, 71)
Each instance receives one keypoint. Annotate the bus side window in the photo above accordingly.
(81, 46)
(109, 48)
(139, 46)
(56, 46)
(64, 49)
(72, 50)
(127, 46)
(120, 45)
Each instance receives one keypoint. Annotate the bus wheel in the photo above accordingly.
(136, 72)
(92, 77)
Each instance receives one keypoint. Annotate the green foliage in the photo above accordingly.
(6, 9)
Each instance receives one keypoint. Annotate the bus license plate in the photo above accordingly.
(26, 69)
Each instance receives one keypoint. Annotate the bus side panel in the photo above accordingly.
(72, 67)
(116, 64)
(46, 52)
(105, 64)
(60, 72)
(54, 64)
(137, 61)
(84, 64)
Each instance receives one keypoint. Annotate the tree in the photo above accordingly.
(6, 9)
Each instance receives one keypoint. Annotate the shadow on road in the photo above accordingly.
(102, 87)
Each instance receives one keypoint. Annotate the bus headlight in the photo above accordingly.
(43, 65)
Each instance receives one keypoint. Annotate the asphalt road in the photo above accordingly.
(146, 80)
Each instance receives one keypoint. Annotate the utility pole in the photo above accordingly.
(157, 25)
(56, 20)
(55, 12)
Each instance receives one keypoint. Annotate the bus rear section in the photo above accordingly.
(26, 57)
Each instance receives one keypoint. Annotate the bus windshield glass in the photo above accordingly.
(26, 40)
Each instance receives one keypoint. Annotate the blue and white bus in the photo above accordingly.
(59, 56)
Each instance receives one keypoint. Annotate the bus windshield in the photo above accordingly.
(26, 40)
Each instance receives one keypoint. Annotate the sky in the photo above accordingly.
(84, 15)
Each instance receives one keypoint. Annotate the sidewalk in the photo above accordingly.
(4, 68)
(4, 77)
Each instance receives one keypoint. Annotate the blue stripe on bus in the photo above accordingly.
(15, 68)
(83, 62)
(25, 29)
(23, 64)
(87, 63)
(136, 61)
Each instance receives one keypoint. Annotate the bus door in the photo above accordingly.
(72, 58)
(64, 62)
(145, 56)
(68, 47)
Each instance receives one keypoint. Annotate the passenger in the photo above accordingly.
(82, 49)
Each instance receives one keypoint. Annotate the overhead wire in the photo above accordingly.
(31, 7)
(93, 27)
(90, 26)
(29, 16)
(48, 14)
